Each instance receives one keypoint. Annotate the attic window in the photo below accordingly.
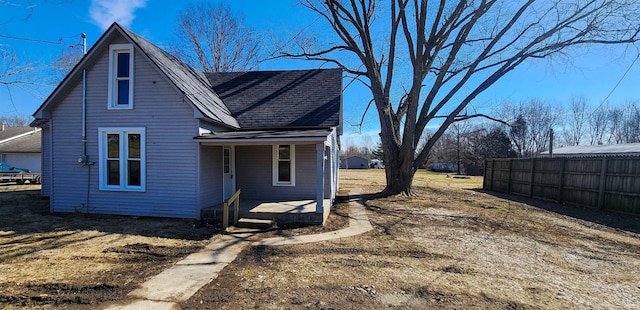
(120, 76)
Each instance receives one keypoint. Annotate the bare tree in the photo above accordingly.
(67, 59)
(425, 61)
(530, 125)
(574, 126)
(210, 36)
(16, 73)
(598, 124)
(15, 121)
(616, 125)
(631, 123)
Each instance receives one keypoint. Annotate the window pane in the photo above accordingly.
(113, 146)
(134, 145)
(225, 160)
(123, 92)
(113, 172)
(123, 64)
(284, 171)
(284, 152)
(133, 178)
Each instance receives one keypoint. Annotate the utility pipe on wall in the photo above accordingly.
(84, 158)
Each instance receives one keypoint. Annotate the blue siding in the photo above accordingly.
(45, 190)
(254, 173)
(210, 176)
(171, 189)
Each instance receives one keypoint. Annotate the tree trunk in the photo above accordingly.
(399, 179)
(399, 167)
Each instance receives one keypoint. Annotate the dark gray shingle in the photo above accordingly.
(191, 82)
(282, 99)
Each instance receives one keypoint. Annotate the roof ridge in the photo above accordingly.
(212, 107)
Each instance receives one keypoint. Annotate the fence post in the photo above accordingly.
(236, 210)
(493, 171)
(561, 183)
(225, 216)
(509, 176)
(603, 182)
(533, 170)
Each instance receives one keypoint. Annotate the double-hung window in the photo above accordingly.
(122, 159)
(284, 165)
(120, 76)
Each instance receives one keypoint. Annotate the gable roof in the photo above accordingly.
(22, 140)
(190, 82)
(282, 99)
(292, 99)
(11, 132)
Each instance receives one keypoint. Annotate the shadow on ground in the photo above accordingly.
(626, 222)
(25, 211)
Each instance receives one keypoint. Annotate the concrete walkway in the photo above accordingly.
(186, 277)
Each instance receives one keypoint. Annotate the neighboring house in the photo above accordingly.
(354, 162)
(446, 166)
(625, 149)
(20, 147)
(133, 130)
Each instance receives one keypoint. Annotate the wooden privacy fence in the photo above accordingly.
(610, 183)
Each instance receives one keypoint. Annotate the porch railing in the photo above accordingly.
(235, 200)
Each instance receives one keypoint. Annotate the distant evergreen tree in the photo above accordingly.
(497, 144)
(377, 152)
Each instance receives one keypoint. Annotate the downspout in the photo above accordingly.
(84, 158)
(84, 100)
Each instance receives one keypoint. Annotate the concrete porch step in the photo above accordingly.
(255, 223)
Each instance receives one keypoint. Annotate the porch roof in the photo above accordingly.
(266, 136)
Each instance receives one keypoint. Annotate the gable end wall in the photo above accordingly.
(171, 153)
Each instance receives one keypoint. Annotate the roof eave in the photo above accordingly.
(41, 112)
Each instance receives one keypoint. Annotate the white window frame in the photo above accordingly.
(114, 50)
(276, 159)
(103, 149)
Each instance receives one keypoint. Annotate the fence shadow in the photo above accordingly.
(621, 221)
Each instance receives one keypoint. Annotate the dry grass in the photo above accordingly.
(452, 247)
(67, 260)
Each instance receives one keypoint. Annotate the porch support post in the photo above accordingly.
(320, 178)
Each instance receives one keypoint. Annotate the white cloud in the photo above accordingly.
(104, 12)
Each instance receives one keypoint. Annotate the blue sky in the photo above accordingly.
(592, 73)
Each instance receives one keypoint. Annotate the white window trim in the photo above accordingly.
(275, 159)
(102, 148)
(113, 69)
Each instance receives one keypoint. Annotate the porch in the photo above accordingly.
(281, 212)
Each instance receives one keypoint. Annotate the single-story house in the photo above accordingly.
(354, 162)
(446, 166)
(133, 130)
(20, 147)
(623, 149)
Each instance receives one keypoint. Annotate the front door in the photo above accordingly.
(228, 171)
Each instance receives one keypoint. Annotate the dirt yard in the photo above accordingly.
(75, 260)
(452, 247)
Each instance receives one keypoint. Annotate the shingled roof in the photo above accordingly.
(282, 99)
(22, 140)
(25, 143)
(291, 99)
(7, 132)
(191, 82)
